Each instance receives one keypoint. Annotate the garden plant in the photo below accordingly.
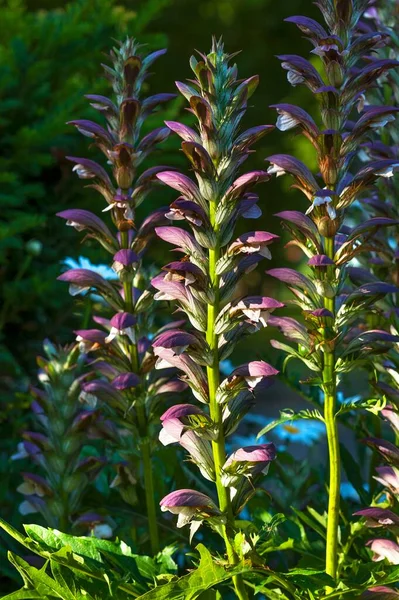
(151, 466)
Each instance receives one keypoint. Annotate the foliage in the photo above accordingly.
(82, 567)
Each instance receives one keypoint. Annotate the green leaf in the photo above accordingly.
(39, 580)
(22, 595)
(310, 522)
(310, 579)
(14, 533)
(190, 587)
(373, 405)
(64, 577)
(288, 415)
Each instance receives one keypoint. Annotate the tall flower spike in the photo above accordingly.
(127, 384)
(388, 476)
(382, 262)
(329, 342)
(57, 446)
(205, 280)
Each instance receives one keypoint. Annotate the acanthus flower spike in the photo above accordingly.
(124, 360)
(202, 284)
(64, 477)
(332, 337)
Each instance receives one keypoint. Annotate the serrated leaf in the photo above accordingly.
(189, 587)
(287, 415)
(373, 405)
(39, 580)
(310, 579)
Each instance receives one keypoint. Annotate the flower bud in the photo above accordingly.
(335, 73)
(326, 226)
(56, 463)
(56, 507)
(73, 482)
(71, 444)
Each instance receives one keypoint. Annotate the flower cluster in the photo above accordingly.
(381, 262)
(334, 337)
(204, 285)
(124, 382)
(56, 446)
(384, 515)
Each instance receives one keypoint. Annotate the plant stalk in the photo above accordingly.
(145, 448)
(330, 400)
(145, 445)
(218, 446)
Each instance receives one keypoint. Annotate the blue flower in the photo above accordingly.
(239, 441)
(84, 263)
(342, 400)
(304, 431)
(348, 492)
(226, 367)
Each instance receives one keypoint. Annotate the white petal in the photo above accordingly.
(109, 207)
(275, 170)
(185, 515)
(319, 200)
(331, 212)
(129, 331)
(77, 226)
(265, 252)
(163, 296)
(89, 399)
(195, 525)
(295, 78)
(26, 508)
(162, 364)
(112, 334)
(253, 381)
(286, 121)
(189, 279)
(27, 488)
(75, 290)
(102, 531)
(21, 452)
(252, 314)
(166, 438)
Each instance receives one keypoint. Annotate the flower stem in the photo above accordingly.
(218, 446)
(330, 398)
(145, 445)
(145, 448)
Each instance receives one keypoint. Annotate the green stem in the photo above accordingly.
(145, 448)
(218, 445)
(330, 399)
(375, 459)
(145, 445)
